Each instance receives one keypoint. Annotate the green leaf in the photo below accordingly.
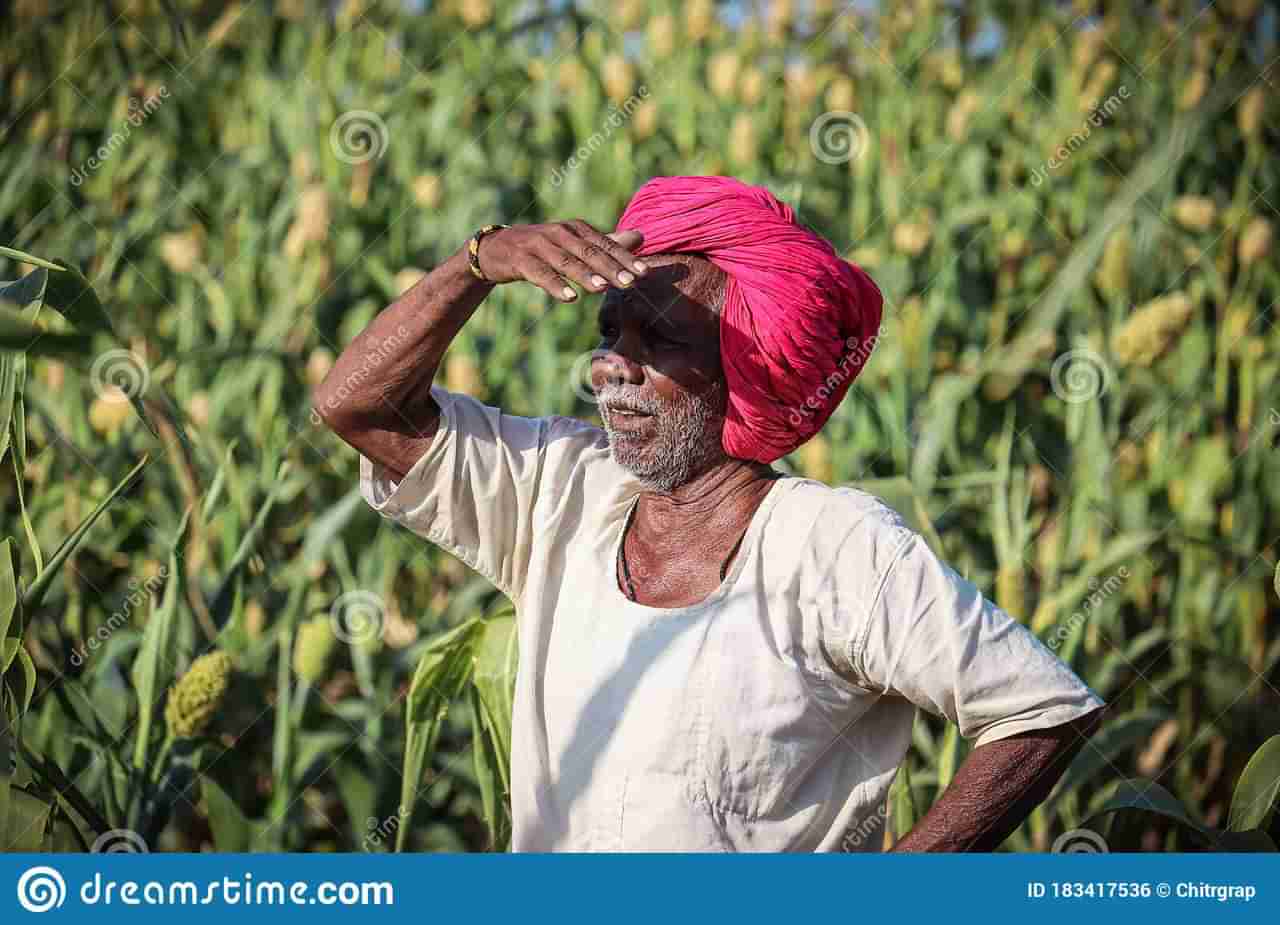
(1105, 749)
(326, 527)
(902, 801)
(8, 586)
(443, 671)
(29, 678)
(315, 745)
(24, 257)
(73, 297)
(1258, 789)
(153, 668)
(233, 831)
(1149, 797)
(26, 817)
(36, 591)
(20, 335)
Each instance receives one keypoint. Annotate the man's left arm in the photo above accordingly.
(931, 637)
(997, 786)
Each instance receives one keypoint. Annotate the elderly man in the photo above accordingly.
(713, 656)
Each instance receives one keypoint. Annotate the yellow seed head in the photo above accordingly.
(1249, 112)
(1146, 334)
(1128, 460)
(198, 408)
(461, 374)
(427, 191)
(815, 458)
(536, 68)
(801, 87)
(778, 20)
(644, 121)
(628, 14)
(1193, 90)
(753, 86)
(961, 111)
(1195, 212)
(311, 222)
(318, 365)
(619, 77)
(722, 74)
(181, 252)
(1112, 276)
(109, 410)
(1255, 241)
(476, 13)
(841, 95)
(195, 698)
(661, 35)
(700, 16)
(571, 76)
(742, 140)
(911, 238)
(949, 68)
(407, 278)
(1085, 48)
(312, 647)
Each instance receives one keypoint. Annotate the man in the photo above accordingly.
(712, 657)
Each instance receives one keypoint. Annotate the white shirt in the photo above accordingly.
(772, 715)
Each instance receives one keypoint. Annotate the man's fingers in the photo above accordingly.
(603, 253)
(629, 239)
(540, 273)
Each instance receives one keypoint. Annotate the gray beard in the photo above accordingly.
(686, 442)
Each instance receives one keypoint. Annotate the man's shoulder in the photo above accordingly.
(824, 530)
(840, 509)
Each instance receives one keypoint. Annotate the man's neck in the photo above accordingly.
(724, 495)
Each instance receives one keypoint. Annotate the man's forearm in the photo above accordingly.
(997, 787)
(377, 395)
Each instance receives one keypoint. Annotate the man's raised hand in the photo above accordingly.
(554, 254)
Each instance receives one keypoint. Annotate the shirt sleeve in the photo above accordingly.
(474, 489)
(932, 637)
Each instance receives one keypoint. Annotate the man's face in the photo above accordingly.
(658, 376)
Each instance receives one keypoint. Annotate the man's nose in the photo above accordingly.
(614, 366)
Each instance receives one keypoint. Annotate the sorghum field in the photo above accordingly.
(209, 642)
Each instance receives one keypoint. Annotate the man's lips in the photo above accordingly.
(625, 419)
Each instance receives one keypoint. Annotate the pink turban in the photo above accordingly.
(798, 322)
